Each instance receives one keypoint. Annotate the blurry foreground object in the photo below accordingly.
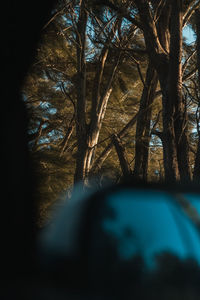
(124, 242)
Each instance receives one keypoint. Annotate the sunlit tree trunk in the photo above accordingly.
(88, 129)
(99, 105)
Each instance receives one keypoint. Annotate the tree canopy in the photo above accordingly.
(113, 91)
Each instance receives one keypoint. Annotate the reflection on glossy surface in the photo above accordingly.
(144, 246)
(149, 223)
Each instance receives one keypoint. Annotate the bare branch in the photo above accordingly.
(156, 121)
(154, 47)
(189, 12)
(60, 12)
(121, 11)
(138, 68)
(67, 95)
(158, 133)
(53, 17)
(126, 170)
(68, 134)
(190, 74)
(158, 10)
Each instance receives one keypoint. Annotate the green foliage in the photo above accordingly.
(50, 95)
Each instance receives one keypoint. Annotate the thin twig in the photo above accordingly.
(138, 68)
(67, 94)
(189, 12)
(187, 61)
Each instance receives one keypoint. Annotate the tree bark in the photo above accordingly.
(143, 124)
(88, 134)
(68, 134)
(196, 174)
(81, 127)
(160, 60)
(175, 90)
(98, 113)
(167, 62)
(126, 170)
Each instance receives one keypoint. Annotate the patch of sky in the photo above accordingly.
(189, 35)
(92, 47)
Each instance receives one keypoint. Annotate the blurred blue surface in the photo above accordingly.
(150, 223)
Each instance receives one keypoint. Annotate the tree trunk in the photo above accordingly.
(94, 131)
(143, 124)
(81, 127)
(126, 170)
(175, 91)
(88, 134)
(167, 62)
(100, 97)
(196, 174)
(159, 58)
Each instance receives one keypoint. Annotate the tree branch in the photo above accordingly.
(187, 61)
(150, 31)
(122, 133)
(126, 170)
(138, 68)
(67, 95)
(189, 12)
(190, 74)
(121, 11)
(68, 134)
(158, 133)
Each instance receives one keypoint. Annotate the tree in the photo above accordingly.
(197, 160)
(88, 133)
(165, 54)
(52, 91)
(162, 23)
(114, 75)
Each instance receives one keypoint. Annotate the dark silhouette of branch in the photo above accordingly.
(121, 152)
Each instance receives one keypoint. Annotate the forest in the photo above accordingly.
(114, 91)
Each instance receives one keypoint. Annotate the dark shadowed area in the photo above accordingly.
(128, 240)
